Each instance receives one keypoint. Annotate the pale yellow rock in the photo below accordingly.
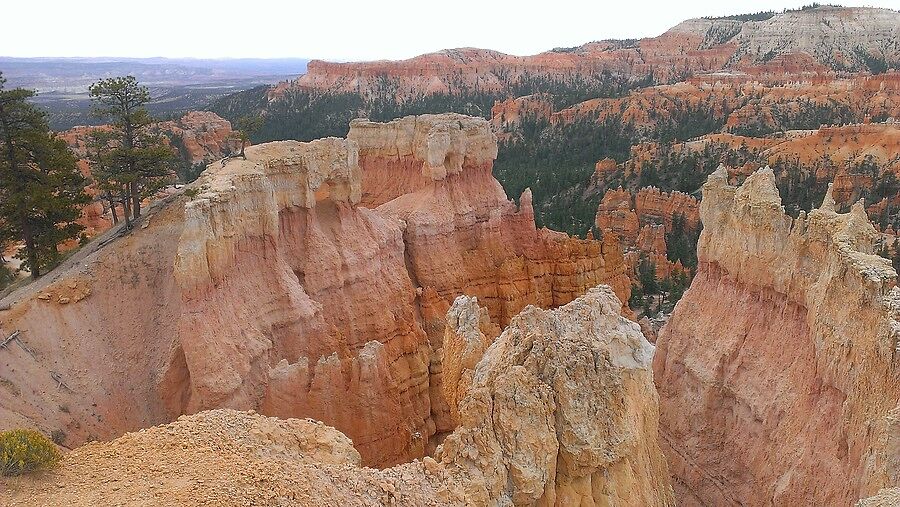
(442, 142)
(531, 430)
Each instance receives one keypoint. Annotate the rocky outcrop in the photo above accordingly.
(559, 410)
(405, 155)
(655, 206)
(616, 215)
(201, 136)
(467, 335)
(777, 372)
(529, 431)
(642, 222)
(267, 286)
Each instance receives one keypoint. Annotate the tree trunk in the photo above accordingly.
(112, 209)
(126, 208)
(135, 199)
(243, 143)
(30, 249)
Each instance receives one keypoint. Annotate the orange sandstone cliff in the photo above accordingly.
(778, 371)
(270, 287)
(641, 222)
(559, 409)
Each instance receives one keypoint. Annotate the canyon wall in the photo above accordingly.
(266, 285)
(811, 43)
(641, 223)
(462, 233)
(559, 409)
(281, 229)
(777, 372)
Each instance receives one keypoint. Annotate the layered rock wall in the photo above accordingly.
(642, 222)
(404, 155)
(281, 229)
(559, 409)
(266, 285)
(777, 372)
(462, 233)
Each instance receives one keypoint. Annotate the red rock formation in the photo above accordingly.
(461, 231)
(406, 155)
(506, 115)
(746, 102)
(642, 228)
(651, 243)
(561, 410)
(347, 303)
(604, 168)
(204, 136)
(655, 206)
(616, 216)
(777, 372)
(853, 157)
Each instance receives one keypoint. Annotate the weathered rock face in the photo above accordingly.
(559, 410)
(777, 372)
(275, 290)
(529, 431)
(463, 235)
(405, 155)
(616, 215)
(657, 207)
(642, 222)
(202, 136)
(839, 37)
(286, 220)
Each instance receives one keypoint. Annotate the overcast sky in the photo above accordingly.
(341, 30)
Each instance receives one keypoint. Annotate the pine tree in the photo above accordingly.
(139, 162)
(247, 126)
(41, 189)
(105, 172)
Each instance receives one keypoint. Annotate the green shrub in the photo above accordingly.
(23, 451)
